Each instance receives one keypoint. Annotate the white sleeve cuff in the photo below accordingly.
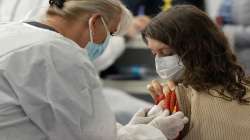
(140, 132)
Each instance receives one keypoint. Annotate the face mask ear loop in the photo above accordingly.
(105, 26)
(90, 32)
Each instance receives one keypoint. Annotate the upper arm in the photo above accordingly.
(183, 95)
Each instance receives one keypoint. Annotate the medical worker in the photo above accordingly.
(33, 10)
(49, 89)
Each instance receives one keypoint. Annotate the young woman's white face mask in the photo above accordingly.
(167, 63)
(169, 67)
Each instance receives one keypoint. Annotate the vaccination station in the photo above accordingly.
(125, 70)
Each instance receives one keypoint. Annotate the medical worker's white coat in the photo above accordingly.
(49, 90)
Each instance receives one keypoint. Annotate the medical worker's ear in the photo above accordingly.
(93, 22)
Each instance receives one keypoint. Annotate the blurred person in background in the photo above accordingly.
(144, 10)
(234, 18)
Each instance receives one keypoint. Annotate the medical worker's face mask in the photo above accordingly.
(95, 50)
(169, 67)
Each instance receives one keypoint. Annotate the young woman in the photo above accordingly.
(212, 89)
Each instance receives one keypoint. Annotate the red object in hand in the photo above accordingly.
(159, 98)
(172, 103)
(177, 106)
(167, 101)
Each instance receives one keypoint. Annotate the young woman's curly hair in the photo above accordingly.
(203, 49)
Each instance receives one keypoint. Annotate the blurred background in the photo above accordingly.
(127, 65)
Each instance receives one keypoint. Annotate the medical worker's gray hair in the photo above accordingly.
(108, 9)
(126, 21)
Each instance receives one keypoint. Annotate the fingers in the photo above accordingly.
(155, 110)
(185, 120)
(174, 136)
(179, 115)
(142, 112)
(180, 127)
(162, 104)
(166, 89)
(152, 91)
(157, 87)
(165, 113)
(146, 110)
(182, 123)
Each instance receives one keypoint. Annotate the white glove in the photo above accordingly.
(155, 111)
(141, 117)
(170, 126)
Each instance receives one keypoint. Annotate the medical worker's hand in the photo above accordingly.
(156, 110)
(170, 126)
(141, 117)
(144, 116)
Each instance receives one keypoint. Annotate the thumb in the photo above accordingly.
(178, 115)
(185, 120)
(155, 110)
(165, 113)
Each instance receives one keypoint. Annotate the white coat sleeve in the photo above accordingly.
(48, 80)
(139, 132)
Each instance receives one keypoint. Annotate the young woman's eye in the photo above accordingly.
(170, 54)
(167, 52)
